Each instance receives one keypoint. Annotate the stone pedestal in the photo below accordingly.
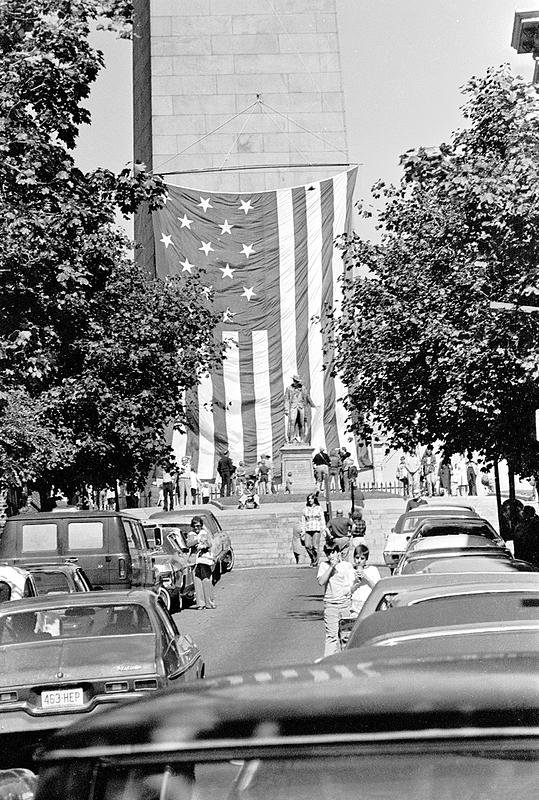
(297, 458)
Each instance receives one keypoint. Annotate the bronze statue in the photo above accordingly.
(296, 403)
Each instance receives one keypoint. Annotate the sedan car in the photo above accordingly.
(65, 657)
(16, 583)
(398, 537)
(486, 612)
(348, 728)
(166, 522)
(401, 590)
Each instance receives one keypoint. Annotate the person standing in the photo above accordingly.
(402, 476)
(225, 468)
(262, 475)
(444, 476)
(338, 533)
(413, 467)
(168, 490)
(321, 468)
(297, 548)
(183, 482)
(334, 467)
(471, 476)
(312, 525)
(358, 528)
(365, 578)
(289, 485)
(428, 468)
(337, 578)
(195, 486)
(203, 565)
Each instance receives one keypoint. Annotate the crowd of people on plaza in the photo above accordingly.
(429, 475)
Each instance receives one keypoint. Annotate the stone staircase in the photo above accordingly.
(264, 536)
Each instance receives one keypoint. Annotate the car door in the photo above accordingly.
(181, 656)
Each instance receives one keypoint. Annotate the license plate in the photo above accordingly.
(62, 698)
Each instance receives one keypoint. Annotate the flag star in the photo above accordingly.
(166, 240)
(247, 249)
(186, 223)
(205, 203)
(246, 205)
(226, 227)
(187, 266)
(206, 246)
(248, 293)
(228, 315)
(207, 290)
(227, 271)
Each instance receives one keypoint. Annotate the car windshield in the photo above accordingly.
(75, 622)
(454, 529)
(491, 772)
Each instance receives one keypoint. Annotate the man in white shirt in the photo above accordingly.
(365, 578)
(413, 466)
(337, 578)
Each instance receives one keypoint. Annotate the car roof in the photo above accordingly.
(484, 551)
(425, 510)
(51, 516)
(7, 571)
(135, 596)
(426, 580)
(452, 540)
(449, 611)
(346, 698)
(454, 522)
(182, 513)
(529, 585)
(470, 561)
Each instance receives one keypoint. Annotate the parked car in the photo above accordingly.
(16, 583)
(165, 522)
(485, 612)
(110, 547)
(176, 562)
(388, 592)
(58, 578)
(66, 657)
(398, 537)
(346, 728)
(436, 532)
(463, 559)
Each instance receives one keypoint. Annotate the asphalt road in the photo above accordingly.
(265, 616)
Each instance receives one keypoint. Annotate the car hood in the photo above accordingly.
(78, 659)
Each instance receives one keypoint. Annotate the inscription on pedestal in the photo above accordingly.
(297, 459)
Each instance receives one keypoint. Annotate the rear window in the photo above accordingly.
(85, 535)
(74, 622)
(39, 537)
(49, 582)
(453, 530)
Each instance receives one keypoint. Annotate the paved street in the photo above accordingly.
(264, 617)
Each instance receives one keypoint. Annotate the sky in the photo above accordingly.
(403, 64)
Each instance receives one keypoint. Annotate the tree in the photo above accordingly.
(419, 347)
(105, 353)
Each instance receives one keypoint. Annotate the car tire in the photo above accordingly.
(227, 564)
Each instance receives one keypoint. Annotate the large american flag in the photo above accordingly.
(270, 261)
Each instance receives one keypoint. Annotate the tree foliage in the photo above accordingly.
(104, 353)
(420, 348)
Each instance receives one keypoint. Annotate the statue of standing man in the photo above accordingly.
(296, 401)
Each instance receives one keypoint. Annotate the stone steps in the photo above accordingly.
(264, 537)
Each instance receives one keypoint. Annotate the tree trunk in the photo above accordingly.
(512, 499)
(501, 521)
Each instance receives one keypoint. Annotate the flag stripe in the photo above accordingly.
(314, 246)
(340, 189)
(206, 445)
(232, 395)
(302, 308)
(262, 393)
(330, 422)
(287, 286)
(248, 400)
